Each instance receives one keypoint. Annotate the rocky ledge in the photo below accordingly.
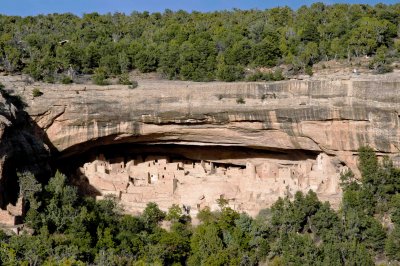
(331, 116)
(288, 121)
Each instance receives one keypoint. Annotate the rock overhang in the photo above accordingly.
(287, 124)
(330, 115)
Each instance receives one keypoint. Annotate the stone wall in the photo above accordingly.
(197, 184)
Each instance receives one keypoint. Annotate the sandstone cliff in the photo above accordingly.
(290, 120)
(20, 151)
(333, 116)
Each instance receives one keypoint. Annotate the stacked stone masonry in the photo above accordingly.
(12, 213)
(196, 184)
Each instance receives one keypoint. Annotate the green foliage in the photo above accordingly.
(195, 46)
(308, 70)
(269, 76)
(383, 68)
(174, 213)
(152, 215)
(100, 77)
(206, 241)
(123, 79)
(29, 186)
(380, 62)
(229, 72)
(395, 205)
(146, 59)
(298, 250)
(296, 230)
(36, 92)
(66, 80)
(392, 246)
(205, 215)
(369, 34)
(240, 100)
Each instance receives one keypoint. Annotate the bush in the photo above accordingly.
(270, 76)
(66, 80)
(278, 75)
(382, 69)
(133, 85)
(123, 79)
(308, 70)
(1, 86)
(36, 92)
(100, 77)
(229, 73)
(240, 100)
(49, 79)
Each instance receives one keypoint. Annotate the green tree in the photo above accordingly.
(392, 245)
(369, 34)
(205, 242)
(152, 215)
(174, 213)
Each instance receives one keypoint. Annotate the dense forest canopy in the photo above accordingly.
(298, 230)
(196, 46)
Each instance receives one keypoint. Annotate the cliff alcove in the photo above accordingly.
(249, 153)
(197, 176)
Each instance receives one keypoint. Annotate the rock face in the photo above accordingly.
(312, 126)
(8, 114)
(20, 151)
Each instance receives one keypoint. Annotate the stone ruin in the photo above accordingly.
(195, 185)
(12, 214)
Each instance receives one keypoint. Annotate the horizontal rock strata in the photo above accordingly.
(332, 117)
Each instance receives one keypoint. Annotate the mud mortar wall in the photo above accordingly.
(197, 176)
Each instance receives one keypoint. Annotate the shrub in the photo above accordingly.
(66, 80)
(100, 77)
(123, 79)
(1, 86)
(308, 70)
(49, 79)
(36, 92)
(383, 68)
(278, 75)
(255, 76)
(270, 76)
(229, 73)
(240, 100)
(263, 97)
(133, 85)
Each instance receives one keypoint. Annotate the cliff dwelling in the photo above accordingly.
(195, 177)
(190, 147)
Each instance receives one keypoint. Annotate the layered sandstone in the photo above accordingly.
(20, 151)
(8, 114)
(298, 119)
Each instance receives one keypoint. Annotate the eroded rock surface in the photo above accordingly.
(20, 151)
(330, 118)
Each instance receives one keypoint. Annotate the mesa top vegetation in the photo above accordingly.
(196, 46)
